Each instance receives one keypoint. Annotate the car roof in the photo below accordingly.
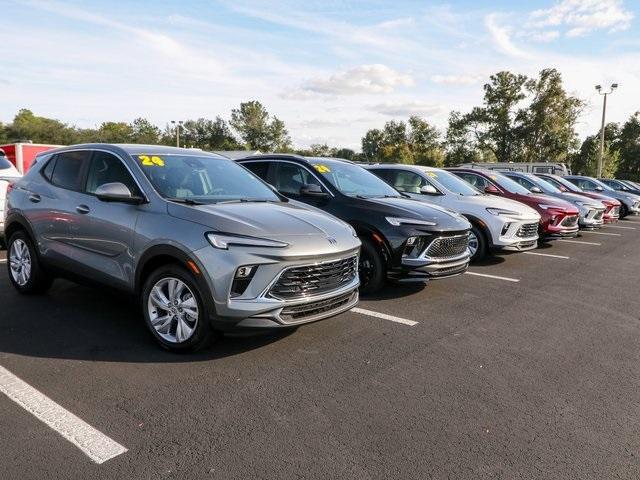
(294, 157)
(135, 149)
(402, 166)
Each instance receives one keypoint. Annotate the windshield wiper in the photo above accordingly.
(246, 200)
(186, 201)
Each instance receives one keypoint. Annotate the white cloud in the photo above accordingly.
(406, 109)
(581, 17)
(364, 79)
(457, 79)
(501, 35)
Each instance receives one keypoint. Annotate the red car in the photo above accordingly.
(612, 206)
(558, 217)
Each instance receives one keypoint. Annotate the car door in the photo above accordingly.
(523, 182)
(105, 235)
(289, 178)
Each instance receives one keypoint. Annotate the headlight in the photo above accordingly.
(353, 230)
(547, 207)
(501, 212)
(224, 240)
(396, 222)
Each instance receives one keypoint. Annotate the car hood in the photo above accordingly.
(493, 201)
(574, 197)
(444, 218)
(265, 220)
(538, 199)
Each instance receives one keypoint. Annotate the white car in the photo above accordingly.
(497, 223)
(8, 173)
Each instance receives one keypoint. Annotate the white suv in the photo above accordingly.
(8, 173)
(497, 223)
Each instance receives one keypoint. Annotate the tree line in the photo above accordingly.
(521, 119)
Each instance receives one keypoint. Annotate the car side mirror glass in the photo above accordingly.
(599, 189)
(428, 190)
(117, 192)
(536, 189)
(491, 189)
(312, 190)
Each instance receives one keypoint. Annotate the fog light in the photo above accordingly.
(242, 279)
(245, 271)
(505, 228)
(411, 240)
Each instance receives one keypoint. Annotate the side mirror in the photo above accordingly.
(312, 190)
(117, 192)
(429, 190)
(599, 188)
(535, 190)
(491, 189)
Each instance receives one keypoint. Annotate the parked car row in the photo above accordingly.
(207, 244)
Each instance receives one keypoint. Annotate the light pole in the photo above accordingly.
(178, 126)
(604, 112)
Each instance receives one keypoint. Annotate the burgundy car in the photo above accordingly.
(612, 206)
(558, 217)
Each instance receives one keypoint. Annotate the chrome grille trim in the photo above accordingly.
(447, 247)
(569, 221)
(527, 230)
(314, 279)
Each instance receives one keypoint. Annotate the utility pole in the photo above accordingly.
(178, 126)
(604, 113)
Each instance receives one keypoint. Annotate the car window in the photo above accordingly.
(67, 172)
(291, 177)
(522, 181)
(352, 180)
(261, 169)
(107, 168)
(4, 162)
(48, 168)
(585, 184)
(408, 182)
(476, 180)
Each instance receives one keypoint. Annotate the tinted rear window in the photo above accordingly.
(67, 172)
(4, 162)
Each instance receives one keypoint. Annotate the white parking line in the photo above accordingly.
(580, 242)
(384, 316)
(506, 279)
(603, 233)
(94, 444)
(3, 260)
(546, 255)
(620, 226)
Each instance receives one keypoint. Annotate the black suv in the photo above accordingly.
(402, 239)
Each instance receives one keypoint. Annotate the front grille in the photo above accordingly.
(569, 221)
(300, 312)
(615, 211)
(448, 247)
(296, 282)
(527, 230)
(599, 214)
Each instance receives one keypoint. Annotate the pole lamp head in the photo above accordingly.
(614, 86)
(598, 87)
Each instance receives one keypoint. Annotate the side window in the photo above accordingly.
(107, 168)
(261, 169)
(290, 178)
(48, 168)
(586, 185)
(475, 180)
(523, 182)
(408, 182)
(67, 172)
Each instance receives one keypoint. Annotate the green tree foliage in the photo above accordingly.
(585, 160)
(145, 132)
(115, 132)
(627, 145)
(208, 135)
(257, 129)
(27, 126)
(415, 142)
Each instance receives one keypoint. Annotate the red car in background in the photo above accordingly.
(558, 217)
(612, 206)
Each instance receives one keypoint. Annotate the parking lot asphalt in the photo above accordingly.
(531, 373)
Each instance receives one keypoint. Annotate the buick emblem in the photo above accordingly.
(332, 240)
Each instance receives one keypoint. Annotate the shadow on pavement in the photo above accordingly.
(82, 323)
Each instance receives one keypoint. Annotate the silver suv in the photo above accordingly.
(204, 243)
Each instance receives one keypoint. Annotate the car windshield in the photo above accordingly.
(561, 182)
(353, 180)
(451, 182)
(545, 186)
(603, 185)
(203, 179)
(508, 184)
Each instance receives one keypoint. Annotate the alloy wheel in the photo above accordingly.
(173, 310)
(20, 262)
(473, 243)
(365, 269)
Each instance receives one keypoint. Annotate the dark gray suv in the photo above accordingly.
(205, 244)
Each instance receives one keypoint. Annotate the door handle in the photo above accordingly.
(83, 209)
(34, 197)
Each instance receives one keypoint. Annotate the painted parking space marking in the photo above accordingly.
(620, 226)
(581, 242)
(384, 316)
(546, 255)
(3, 260)
(495, 277)
(93, 443)
(603, 233)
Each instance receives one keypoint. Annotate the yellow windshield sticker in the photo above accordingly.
(322, 168)
(493, 177)
(153, 161)
(432, 174)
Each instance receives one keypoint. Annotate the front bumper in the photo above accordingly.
(564, 227)
(611, 214)
(592, 219)
(518, 235)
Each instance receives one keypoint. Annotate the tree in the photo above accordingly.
(144, 132)
(372, 144)
(585, 161)
(209, 134)
(627, 144)
(345, 153)
(115, 132)
(27, 126)
(547, 126)
(257, 129)
(425, 143)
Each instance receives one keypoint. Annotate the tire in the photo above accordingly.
(23, 265)
(179, 330)
(371, 268)
(482, 243)
(3, 243)
(624, 211)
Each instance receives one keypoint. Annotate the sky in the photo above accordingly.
(330, 69)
